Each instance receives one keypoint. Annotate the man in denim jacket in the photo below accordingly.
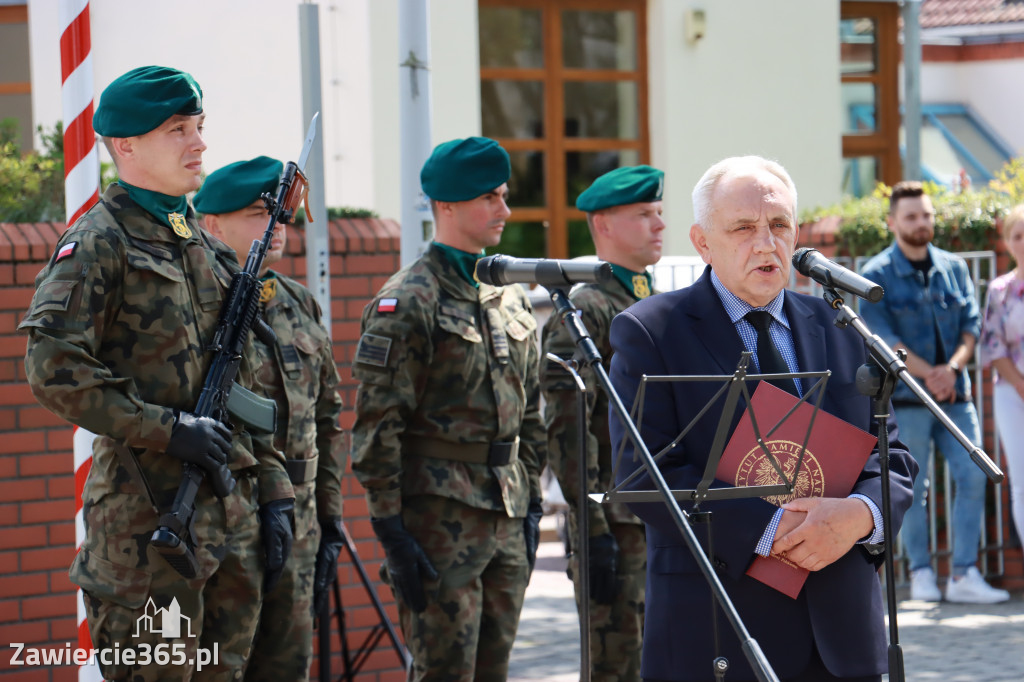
(930, 310)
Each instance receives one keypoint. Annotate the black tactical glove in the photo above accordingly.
(604, 557)
(202, 441)
(332, 539)
(205, 442)
(531, 530)
(408, 565)
(277, 528)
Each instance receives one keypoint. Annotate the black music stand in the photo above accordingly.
(733, 387)
(587, 354)
(354, 661)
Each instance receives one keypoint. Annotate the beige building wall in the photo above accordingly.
(245, 56)
(454, 83)
(986, 87)
(764, 79)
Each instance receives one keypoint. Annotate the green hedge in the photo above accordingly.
(964, 221)
(335, 213)
(31, 184)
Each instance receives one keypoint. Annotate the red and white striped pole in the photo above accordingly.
(81, 159)
(81, 191)
(83, 462)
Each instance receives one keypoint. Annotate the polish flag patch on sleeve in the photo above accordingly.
(65, 251)
(387, 305)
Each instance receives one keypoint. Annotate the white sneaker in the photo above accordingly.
(972, 589)
(923, 586)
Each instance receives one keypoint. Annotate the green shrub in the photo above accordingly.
(964, 221)
(968, 221)
(33, 183)
(336, 213)
(862, 228)
(1010, 181)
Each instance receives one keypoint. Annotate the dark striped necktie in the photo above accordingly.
(769, 359)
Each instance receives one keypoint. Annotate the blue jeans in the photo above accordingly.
(919, 429)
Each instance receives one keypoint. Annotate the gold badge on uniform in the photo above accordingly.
(269, 290)
(179, 226)
(641, 287)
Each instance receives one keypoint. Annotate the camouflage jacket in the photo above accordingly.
(118, 331)
(442, 361)
(303, 380)
(598, 304)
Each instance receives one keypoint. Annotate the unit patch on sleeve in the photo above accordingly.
(373, 350)
(65, 251)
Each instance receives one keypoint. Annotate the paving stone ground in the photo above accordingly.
(944, 641)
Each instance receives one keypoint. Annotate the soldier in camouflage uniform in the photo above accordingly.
(118, 333)
(624, 215)
(300, 375)
(448, 439)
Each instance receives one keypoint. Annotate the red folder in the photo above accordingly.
(835, 456)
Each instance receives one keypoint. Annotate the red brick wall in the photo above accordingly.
(37, 536)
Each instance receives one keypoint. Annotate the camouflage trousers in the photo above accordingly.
(283, 649)
(617, 629)
(134, 599)
(469, 625)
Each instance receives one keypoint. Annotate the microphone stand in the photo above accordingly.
(891, 363)
(587, 354)
(878, 381)
(582, 515)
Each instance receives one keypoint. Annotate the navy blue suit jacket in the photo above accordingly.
(688, 332)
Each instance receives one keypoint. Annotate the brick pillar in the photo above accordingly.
(364, 254)
(37, 511)
(37, 537)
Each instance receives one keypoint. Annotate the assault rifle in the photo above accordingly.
(221, 398)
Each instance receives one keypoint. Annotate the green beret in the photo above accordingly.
(143, 98)
(237, 185)
(460, 170)
(626, 185)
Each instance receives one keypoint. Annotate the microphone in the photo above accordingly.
(548, 272)
(810, 263)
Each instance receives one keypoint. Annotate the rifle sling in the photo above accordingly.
(130, 462)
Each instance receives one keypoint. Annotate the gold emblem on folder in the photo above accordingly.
(756, 469)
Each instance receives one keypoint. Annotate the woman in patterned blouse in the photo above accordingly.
(1002, 347)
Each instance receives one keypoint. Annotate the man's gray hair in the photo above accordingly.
(705, 187)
